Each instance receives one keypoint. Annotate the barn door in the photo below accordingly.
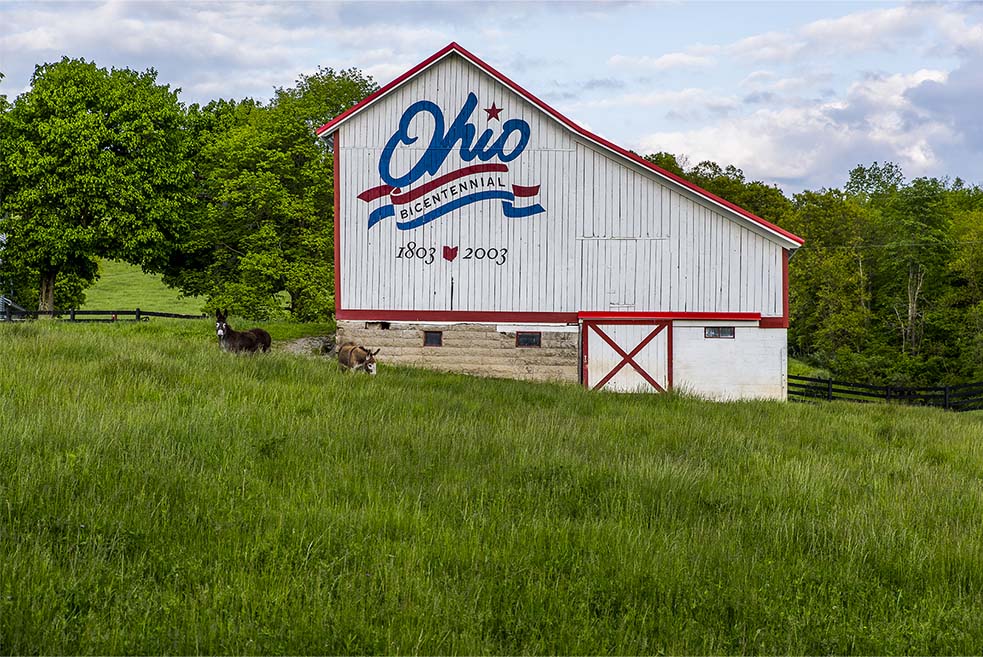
(627, 355)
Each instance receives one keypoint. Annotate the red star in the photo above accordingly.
(493, 112)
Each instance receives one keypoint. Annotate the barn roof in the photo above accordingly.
(789, 239)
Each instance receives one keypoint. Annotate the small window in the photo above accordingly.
(377, 325)
(528, 339)
(433, 338)
(719, 332)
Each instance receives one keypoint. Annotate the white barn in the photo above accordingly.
(479, 230)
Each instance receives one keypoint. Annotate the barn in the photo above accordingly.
(479, 230)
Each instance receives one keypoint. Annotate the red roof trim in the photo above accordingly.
(365, 102)
(454, 47)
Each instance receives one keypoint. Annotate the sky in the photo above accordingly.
(794, 93)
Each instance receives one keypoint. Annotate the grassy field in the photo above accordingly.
(159, 496)
(125, 287)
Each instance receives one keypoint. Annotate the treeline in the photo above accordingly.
(888, 287)
(232, 201)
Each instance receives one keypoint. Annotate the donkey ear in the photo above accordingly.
(377, 351)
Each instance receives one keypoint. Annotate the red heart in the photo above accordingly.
(450, 252)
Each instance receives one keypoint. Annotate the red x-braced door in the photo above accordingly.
(627, 355)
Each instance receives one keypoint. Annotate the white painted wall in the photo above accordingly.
(751, 366)
(615, 236)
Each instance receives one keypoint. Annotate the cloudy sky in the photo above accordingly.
(794, 93)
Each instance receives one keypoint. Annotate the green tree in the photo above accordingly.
(831, 313)
(264, 224)
(94, 167)
(914, 226)
(669, 162)
(874, 182)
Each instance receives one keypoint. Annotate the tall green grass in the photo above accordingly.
(159, 496)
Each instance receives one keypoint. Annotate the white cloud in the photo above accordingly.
(670, 61)
(689, 100)
(808, 146)
(879, 29)
(772, 46)
(888, 91)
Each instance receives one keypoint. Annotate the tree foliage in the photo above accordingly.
(94, 166)
(264, 221)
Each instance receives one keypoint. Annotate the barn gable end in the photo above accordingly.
(462, 198)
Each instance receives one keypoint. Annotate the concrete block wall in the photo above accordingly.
(476, 349)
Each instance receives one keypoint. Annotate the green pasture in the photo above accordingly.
(125, 287)
(160, 496)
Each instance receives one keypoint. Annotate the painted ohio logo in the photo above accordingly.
(472, 183)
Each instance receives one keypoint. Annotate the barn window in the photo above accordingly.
(433, 338)
(528, 339)
(719, 332)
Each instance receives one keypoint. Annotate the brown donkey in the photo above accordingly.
(352, 358)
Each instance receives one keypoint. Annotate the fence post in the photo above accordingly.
(887, 393)
(947, 398)
(138, 314)
(829, 389)
(71, 314)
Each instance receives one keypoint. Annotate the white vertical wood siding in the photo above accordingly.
(614, 235)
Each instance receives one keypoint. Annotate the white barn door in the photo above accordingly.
(627, 355)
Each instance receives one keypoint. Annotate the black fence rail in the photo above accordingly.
(72, 315)
(967, 397)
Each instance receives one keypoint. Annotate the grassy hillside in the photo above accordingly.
(157, 495)
(125, 287)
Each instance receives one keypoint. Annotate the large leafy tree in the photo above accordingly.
(916, 228)
(830, 282)
(264, 222)
(95, 166)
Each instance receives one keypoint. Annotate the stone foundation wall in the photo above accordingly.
(477, 349)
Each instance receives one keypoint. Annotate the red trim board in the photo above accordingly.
(425, 316)
(617, 316)
(332, 126)
(507, 317)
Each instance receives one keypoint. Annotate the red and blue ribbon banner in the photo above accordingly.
(454, 190)
(450, 192)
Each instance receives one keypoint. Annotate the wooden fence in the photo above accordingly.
(967, 397)
(74, 315)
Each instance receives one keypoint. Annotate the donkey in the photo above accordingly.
(236, 341)
(263, 338)
(352, 358)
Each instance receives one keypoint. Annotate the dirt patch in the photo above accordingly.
(316, 347)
